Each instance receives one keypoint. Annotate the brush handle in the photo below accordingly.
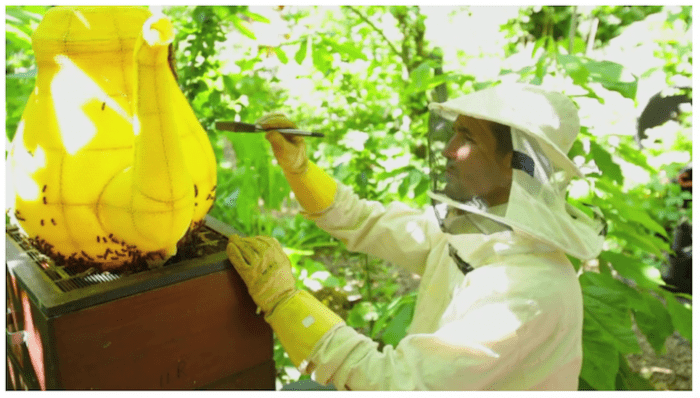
(238, 127)
(300, 132)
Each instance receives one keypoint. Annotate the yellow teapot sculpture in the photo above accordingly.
(109, 163)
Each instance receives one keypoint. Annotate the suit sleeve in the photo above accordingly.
(396, 233)
(481, 350)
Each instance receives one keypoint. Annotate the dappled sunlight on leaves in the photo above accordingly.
(363, 76)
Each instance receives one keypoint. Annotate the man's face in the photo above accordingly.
(474, 167)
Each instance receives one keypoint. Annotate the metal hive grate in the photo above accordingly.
(207, 240)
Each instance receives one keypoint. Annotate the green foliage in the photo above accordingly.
(628, 380)
(640, 218)
(20, 71)
(654, 321)
(538, 23)
(370, 95)
(606, 330)
(386, 322)
(677, 50)
(614, 19)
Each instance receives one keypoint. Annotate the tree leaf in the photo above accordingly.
(541, 68)
(575, 262)
(321, 58)
(255, 17)
(229, 84)
(403, 187)
(574, 68)
(655, 323)
(301, 52)
(611, 75)
(605, 163)
(222, 12)
(576, 149)
(441, 79)
(281, 55)
(681, 316)
(635, 156)
(607, 310)
(538, 44)
(628, 90)
(388, 312)
(419, 78)
(633, 297)
(551, 45)
(640, 216)
(649, 243)
(630, 380)
(584, 207)
(600, 357)
(422, 187)
(644, 275)
(18, 36)
(240, 26)
(579, 45)
(360, 315)
(397, 327)
(348, 48)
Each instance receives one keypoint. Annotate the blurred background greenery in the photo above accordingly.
(363, 75)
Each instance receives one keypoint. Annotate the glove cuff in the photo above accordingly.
(299, 323)
(314, 188)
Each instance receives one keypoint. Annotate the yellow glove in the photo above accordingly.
(264, 268)
(313, 187)
(298, 319)
(290, 150)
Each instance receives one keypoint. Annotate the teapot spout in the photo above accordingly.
(152, 202)
(159, 167)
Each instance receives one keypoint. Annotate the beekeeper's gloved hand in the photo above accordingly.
(314, 189)
(264, 268)
(290, 150)
(298, 319)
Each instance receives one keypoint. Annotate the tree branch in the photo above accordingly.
(591, 36)
(359, 14)
(572, 29)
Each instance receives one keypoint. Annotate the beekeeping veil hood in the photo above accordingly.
(543, 128)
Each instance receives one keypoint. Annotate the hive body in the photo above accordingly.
(109, 162)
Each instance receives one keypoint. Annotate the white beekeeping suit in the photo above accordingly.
(499, 304)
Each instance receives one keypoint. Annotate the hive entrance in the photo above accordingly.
(205, 241)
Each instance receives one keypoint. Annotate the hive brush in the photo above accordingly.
(239, 127)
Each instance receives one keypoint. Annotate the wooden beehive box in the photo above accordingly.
(190, 324)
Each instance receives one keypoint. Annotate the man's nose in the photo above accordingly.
(450, 151)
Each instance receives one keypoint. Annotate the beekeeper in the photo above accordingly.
(499, 305)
